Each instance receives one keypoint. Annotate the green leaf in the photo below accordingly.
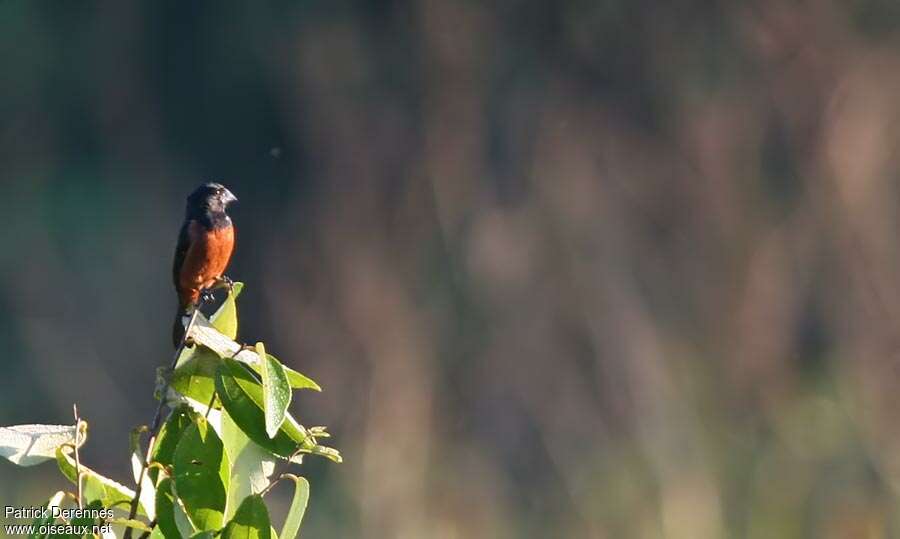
(131, 523)
(294, 378)
(291, 527)
(170, 519)
(276, 391)
(201, 472)
(205, 334)
(94, 485)
(47, 516)
(242, 397)
(299, 381)
(250, 522)
(169, 435)
(134, 439)
(251, 465)
(85, 520)
(148, 488)
(225, 319)
(329, 453)
(195, 377)
(27, 445)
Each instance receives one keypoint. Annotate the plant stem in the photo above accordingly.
(145, 535)
(279, 475)
(77, 458)
(154, 428)
(210, 405)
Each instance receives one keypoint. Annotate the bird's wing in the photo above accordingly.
(184, 243)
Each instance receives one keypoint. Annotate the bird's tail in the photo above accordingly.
(178, 326)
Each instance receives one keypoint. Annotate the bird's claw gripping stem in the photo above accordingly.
(207, 295)
(225, 282)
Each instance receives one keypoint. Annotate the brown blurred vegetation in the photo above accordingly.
(565, 269)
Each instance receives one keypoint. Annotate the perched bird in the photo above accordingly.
(204, 248)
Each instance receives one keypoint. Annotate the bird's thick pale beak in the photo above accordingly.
(228, 197)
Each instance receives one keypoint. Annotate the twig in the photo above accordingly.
(278, 476)
(145, 535)
(210, 405)
(212, 400)
(77, 458)
(154, 428)
(272, 483)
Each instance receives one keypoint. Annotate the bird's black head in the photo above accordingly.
(209, 202)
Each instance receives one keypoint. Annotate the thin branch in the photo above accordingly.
(154, 428)
(145, 535)
(272, 483)
(212, 400)
(77, 458)
(210, 405)
(278, 476)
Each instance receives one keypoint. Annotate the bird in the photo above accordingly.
(205, 245)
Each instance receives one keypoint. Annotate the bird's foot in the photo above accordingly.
(225, 282)
(207, 295)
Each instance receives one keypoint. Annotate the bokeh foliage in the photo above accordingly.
(588, 269)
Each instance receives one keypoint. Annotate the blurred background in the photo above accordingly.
(600, 269)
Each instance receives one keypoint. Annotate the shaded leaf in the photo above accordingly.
(169, 435)
(170, 519)
(131, 523)
(250, 522)
(47, 516)
(242, 397)
(201, 471)
(195, 377)
(94, 485)
(85, 520)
